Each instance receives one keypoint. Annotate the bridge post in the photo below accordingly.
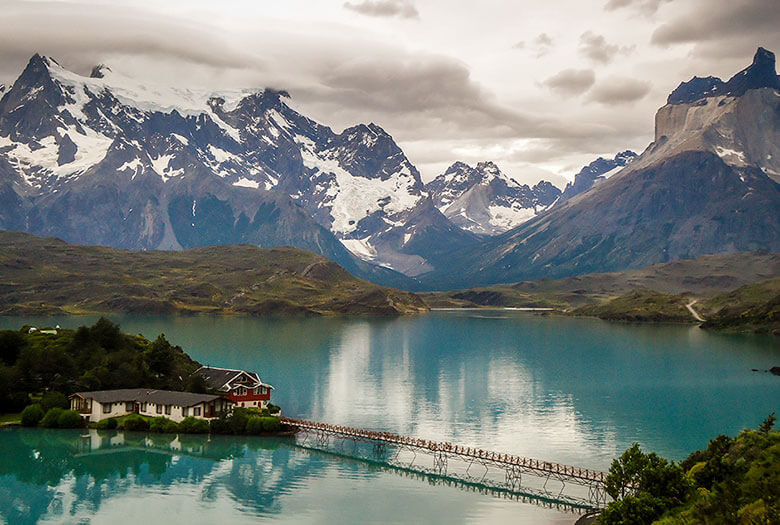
(380, 449)
(440, 462)
(513, 477)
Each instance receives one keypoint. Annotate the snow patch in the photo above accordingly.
(353, 198)
(729, 154)
(360, 248)
(506, 218)
(246, 183)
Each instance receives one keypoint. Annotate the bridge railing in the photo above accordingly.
(449, 448)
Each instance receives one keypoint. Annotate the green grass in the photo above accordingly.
(10, 419)
(48, 276)
(641, 306)
(751, 308)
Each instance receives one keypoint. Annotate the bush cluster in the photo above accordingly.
(734, 480)
(246, 421)
(57, 417)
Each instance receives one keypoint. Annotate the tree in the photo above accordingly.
(11, 344)
(106, 334)
(644, 486)
(625, 472)
(54, 399)
(161, 356)
(197, 384)
(766, 426)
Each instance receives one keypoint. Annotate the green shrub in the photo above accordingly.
(254, 425)
(273, 409)
(221, 425)
(135, 422)
(69, 419)
(52, 417)
(163, 425)
(260, 424)
(238, 420)
(193, 425)
(32, 415)
(106, 424)
(54, 400)
(271, 424)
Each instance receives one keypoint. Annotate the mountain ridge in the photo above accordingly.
(707, 184)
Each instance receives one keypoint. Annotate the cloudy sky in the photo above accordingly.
(541, 88)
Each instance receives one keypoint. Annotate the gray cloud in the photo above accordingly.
(384, 8)
(754, 18)
(59, 30)
(619, 90)
(570, 82)
(644, 6)
(539, 46)
(596, 48)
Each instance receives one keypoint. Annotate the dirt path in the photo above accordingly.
(694, 313)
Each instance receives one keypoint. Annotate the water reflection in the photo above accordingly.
(109, 476)
(574, 391)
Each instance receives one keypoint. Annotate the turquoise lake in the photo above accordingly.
(574, 391)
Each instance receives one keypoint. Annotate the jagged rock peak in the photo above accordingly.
(99, 71)
(760, 74)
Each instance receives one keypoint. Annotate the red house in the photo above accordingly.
(245, 389)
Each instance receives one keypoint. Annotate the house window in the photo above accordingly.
(185, 411)
(254, 390)
(143, 407)
(129, 406)
(196, 411)
(168, 409)
(159, 409)
(106, 408)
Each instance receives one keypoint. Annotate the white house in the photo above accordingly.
(103, 404)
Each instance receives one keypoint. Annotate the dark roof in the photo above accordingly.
(219, 377)
(148, 395)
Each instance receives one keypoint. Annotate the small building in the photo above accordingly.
(243, 388)
(104, 404)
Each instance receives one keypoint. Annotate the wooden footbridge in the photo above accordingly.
(578, 488)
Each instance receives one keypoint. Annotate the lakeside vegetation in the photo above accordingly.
(732, 481)
(49, 276)
(39, 369)
(99, 357)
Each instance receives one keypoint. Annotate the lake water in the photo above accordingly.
(575, 391)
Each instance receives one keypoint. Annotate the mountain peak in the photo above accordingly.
(760, 74)
(99, 71)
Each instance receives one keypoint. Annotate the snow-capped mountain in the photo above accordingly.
(485, 201)
(709, 183)
(106, 159)
(599, 170)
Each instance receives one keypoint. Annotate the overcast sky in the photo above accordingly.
(541, 88)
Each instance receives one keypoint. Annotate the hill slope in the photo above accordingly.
(43, 275)
(705, 276)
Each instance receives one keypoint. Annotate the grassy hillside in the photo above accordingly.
(703, 277)
(641, 306)
(751, 308)
(46, 275)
